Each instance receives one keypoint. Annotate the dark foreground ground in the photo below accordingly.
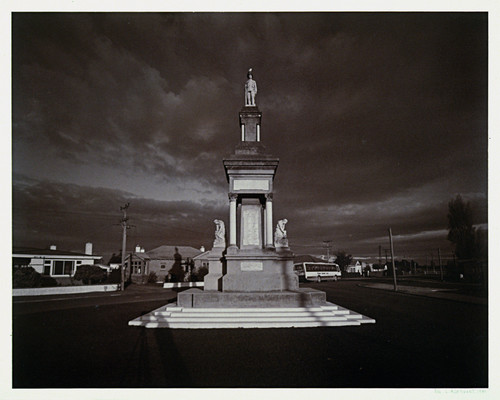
(84, 342)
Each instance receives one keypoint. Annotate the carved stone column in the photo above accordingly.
(269, 220)
(264, 215)
(232, 218)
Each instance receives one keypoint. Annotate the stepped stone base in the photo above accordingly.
(304, 297)
(176, 317)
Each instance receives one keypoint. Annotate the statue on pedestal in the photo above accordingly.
(220, 233)
(280, 239)
(250, 90)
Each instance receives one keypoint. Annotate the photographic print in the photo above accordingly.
(250, 200)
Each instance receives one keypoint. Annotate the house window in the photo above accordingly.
(163, 266)
(68, 267)
(136, 267)
(46, 267)
(58, 268)
(63, 268)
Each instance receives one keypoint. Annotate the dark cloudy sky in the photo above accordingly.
(379, 120)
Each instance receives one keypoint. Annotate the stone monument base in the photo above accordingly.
(258, 270)
(213, 280)
(304, 297)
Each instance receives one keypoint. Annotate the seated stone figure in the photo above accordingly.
(220, 233)
(280, 239)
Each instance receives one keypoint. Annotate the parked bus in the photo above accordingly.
(317, 271)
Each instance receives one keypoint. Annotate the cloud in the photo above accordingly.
(70, 215)
(378, 118)
(418, 218)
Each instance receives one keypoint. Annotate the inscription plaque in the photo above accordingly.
(250, 218)
(250, 184)
(251, 266)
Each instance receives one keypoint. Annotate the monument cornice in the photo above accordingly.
(236, 162)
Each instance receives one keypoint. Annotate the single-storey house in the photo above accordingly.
(357, 268)
(162, 261)
(53, 262)
(201, 260)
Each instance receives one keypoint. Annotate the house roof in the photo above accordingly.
(167, 252)
(30, 251)
(306, 258)
(202, 255)
(140, 255)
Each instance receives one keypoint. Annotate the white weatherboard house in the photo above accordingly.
(53, 262)
(357, 268)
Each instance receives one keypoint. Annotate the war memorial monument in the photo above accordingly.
(251, 282)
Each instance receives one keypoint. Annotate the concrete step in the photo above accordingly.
(175, 317)
(236, 314)
(242, 324)
(246, 317)
(175, 308)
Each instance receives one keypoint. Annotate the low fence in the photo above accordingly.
(170, 285)
(64, 290)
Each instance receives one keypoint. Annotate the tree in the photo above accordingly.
(343, 259)
(115, 258)
(177, 271)
(461, 232)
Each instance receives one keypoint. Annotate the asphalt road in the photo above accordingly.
(83, 341)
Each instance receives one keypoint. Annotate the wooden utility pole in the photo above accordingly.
(392, 258)
(379, 256)
(440, 265)
(124, 242)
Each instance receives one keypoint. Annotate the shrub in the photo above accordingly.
(177, 272)
(26, 277)
(115, 276)
(90, 274)
(48, 281)
(200, 273)
(152, 278)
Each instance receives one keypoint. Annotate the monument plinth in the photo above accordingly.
(251, 282)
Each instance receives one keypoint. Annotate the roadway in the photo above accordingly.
(83, 341)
